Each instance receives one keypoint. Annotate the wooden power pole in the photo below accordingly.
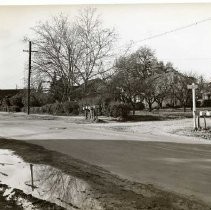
(29, 76)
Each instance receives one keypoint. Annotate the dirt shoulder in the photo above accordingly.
(200, 134)
(111, 191)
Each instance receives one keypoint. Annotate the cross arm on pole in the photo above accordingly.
(31, 51)
(192, 86)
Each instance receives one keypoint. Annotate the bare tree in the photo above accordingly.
(73, 51)
(162, 82)
(144, 68)
(96, 44)
(124, 81)
(148, 92)
(143, 63)
(55, 42)
(134, 76)
(203, 86)
(182, 93)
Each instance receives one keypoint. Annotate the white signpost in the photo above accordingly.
(193, 87)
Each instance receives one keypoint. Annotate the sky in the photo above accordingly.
(188, 49)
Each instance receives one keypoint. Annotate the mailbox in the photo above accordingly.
(205, 113)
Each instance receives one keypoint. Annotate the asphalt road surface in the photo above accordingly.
(175, 163)
(183, 168)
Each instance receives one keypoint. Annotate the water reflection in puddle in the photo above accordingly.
(46, 182)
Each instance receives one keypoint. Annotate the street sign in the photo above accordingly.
(193, 86)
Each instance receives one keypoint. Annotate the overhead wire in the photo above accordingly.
(174, 30)
(170, 31)
(132, 43)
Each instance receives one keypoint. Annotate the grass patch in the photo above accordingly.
(159, 115)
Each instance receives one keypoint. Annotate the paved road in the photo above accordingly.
(184, 168)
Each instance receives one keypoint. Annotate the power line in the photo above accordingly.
(186, 59)
(174, 30)
(167, 32)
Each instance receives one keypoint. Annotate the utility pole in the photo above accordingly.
(29, 76)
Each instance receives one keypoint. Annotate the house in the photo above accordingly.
(204, 97)
(8, 93)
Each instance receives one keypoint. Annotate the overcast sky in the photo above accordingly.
(188, 49)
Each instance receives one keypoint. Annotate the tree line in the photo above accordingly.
(77, 60)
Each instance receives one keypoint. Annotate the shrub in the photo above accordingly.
(34, 102)
(117, 109)
(36, 99)
(71, 107)
(14, 109)
(66, 108)
(16, 101)
(24, 109)
(199, 103)
(34, 110)
(172, 106)
(206, 103)
(139, 106)
(48, 109)
(55, 108)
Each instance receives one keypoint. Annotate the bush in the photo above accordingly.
(139, 106)
(14, 109)
(36, 99)
(206, 103)
(35, 110)
(16, 101)
(117, 109)
(66, 108)
(55, 108)
(172, 106)
(48, 109)
(199, 103)
(71, 107)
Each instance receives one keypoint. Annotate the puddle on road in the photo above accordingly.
(58, 128)
(46, 183)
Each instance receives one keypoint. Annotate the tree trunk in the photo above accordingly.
(161, 105)
(184, 108)
(85, 87)
(134, 108)
(150, 106)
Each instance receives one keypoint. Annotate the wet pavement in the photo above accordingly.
(45, 183)
(57, 181)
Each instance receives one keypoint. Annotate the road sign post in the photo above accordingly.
(193, 87)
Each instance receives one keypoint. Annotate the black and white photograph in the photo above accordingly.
(105, 105)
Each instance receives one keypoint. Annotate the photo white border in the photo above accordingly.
(67, 2)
